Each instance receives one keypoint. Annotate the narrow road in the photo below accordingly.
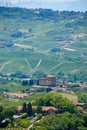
(32, 124)
(38, 64)
(28, 64)
(55, 67)
(4, 64)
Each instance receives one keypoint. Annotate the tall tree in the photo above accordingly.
(31, 82)
(25, 83)
(29, 109)
(24, 107)
(39, 109)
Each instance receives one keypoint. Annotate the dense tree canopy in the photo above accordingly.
(65, 121)
(55, 99)
(82, 97)
(6, 113)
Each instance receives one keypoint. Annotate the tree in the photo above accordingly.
(17, 34)
(82, 97)
(25, 83)
(39, 109)
(64, 121)
(48, 103)
(38, 82)
(29, 109)
(31, 82)
(24, 107)
(48, 89)
(10, 112)
(1, 108)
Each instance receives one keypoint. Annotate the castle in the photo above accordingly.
(49, 80)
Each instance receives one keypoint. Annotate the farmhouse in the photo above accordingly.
(47, 110)
(16, 95)
(49, 80)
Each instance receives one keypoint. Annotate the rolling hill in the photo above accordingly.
(43, 40)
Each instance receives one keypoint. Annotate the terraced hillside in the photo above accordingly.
(42, 40)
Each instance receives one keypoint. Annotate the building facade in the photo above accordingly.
(49, 80)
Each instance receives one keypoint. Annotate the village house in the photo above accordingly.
(47, 110)
(49, 80)
(16, 95)
(78, 104)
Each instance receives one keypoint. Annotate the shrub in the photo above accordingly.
(24, 123)
(39, 116)
(24, 115)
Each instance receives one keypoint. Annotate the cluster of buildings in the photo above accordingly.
(50, 81)
(47, 81)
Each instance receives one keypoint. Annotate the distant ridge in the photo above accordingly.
(38, 14)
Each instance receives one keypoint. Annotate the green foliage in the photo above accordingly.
(63, 121)
(39, 109)
(7, 113)
(75, 85)
(19, 74)
(10, 86)
(31, 82)
(39, 116)
(24, 123)
(10, 111)
(55, 99)
(17, 34)
(41, 89)
(29, 109)
(82, 97)
(24, 83)
(23, 115)
(43, 14)
(1, 108)
(24, 107)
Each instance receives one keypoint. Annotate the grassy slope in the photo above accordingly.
(70, 96)
(42, 39)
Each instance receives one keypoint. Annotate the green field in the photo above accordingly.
(70, 97)
(37, 43)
